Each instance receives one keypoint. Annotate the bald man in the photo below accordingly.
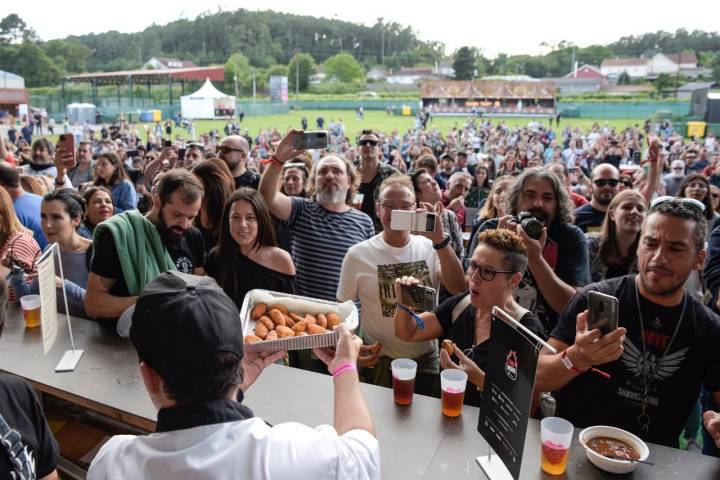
(233, 150)
(605, 180)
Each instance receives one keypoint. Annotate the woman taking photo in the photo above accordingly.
(61, 213)
(218, 184)
(99, 208)
(247, 256)
(494, 207)
(612, 251)
(110, 173)
(427, 190)
(496, 268)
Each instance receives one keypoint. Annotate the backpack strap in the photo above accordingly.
(460, 307)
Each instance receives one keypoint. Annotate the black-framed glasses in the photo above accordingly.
(688, 202)
(601, 182)
(366, 142)
(486, 273)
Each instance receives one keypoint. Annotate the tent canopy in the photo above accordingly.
(207, 102)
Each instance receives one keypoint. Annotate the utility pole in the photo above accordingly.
(254, 85)
(236, 84)
(297, 80)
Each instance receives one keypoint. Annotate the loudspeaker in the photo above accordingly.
(712, 114)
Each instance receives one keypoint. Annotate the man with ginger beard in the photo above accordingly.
(605, 180)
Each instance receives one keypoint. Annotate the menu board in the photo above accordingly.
(509, 379)
(48, 302)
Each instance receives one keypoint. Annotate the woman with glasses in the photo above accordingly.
(612, 250)
(496, 268)
(697, 186)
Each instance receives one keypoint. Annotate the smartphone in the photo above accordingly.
(475, 197)
(418, 297)
(167, 143)
(181, 154)
(311, 140)
(412, 221)
(67, 143)
(133, 153)
(603, 312)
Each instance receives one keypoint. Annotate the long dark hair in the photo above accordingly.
(218, 184)
(707, 201)
(227, 248)
(118, 175)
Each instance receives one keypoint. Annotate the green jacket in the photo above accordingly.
(140, 250)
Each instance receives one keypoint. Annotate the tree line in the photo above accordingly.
(256, 45)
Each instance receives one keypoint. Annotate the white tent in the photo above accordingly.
(207, 102)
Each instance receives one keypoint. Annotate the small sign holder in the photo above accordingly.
(492, 464)
(48, 312)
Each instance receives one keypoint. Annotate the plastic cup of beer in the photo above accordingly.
(403, 373)
(452, 384)
(555, 438)
(31, 310)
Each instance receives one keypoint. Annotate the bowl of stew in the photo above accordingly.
(603, 445)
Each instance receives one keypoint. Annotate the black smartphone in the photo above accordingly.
(475, 197)
(311, 140)
(133, 153)
(603, 312)
(418, 297)
(181, 154)
(167, 143)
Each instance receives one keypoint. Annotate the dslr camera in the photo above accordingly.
(530, 225)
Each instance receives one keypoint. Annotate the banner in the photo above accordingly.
(509, 379)
(48, 300)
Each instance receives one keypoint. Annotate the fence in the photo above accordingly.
(622, 109)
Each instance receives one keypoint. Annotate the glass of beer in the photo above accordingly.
(31, 310)
(452, 383)
(555, 437)
(403, 373)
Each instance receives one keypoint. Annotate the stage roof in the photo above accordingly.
(489, 89)
(216, 74)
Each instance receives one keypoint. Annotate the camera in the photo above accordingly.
(530, 225)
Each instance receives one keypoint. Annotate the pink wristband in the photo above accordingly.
(344, 367)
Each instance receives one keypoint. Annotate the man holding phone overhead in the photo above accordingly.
(665, 348)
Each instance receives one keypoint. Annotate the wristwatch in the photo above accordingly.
(568, 363)
(443, 244)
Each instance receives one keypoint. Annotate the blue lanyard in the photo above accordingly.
(415, 316)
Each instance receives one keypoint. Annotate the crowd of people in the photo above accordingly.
(530, 220)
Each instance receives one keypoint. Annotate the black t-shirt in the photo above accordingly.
(566, 253)
(22, 412)
(188, 254)
(589, 219)
(462, 334)
(248, 179)
(254, 276)
(674, 387)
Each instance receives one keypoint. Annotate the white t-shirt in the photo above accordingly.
(368, 273)
(240, 449)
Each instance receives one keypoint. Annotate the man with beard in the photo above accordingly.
(233, 150)
(43, 162)
(605, 180)
(558, 261)
(664, 349)
(372, 173)
(129, 250)
(323, 228)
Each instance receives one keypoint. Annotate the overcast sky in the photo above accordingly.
(513, 27)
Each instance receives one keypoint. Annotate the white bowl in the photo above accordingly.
(609, 464)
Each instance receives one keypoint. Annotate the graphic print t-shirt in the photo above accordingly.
(368, 273)
(673, 379)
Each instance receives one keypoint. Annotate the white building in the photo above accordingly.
(635, 67)
(158, 63)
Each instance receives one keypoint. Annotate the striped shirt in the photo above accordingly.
(319, 240)
(22, 248)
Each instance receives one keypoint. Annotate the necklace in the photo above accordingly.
(644, 419)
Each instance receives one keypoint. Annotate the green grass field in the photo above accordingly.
(377, 120)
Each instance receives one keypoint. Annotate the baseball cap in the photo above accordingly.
(181, 321)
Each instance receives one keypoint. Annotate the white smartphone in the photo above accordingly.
(412, 221)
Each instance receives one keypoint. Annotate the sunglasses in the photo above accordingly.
(688, 202)
(364, 143)
(606, 181)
